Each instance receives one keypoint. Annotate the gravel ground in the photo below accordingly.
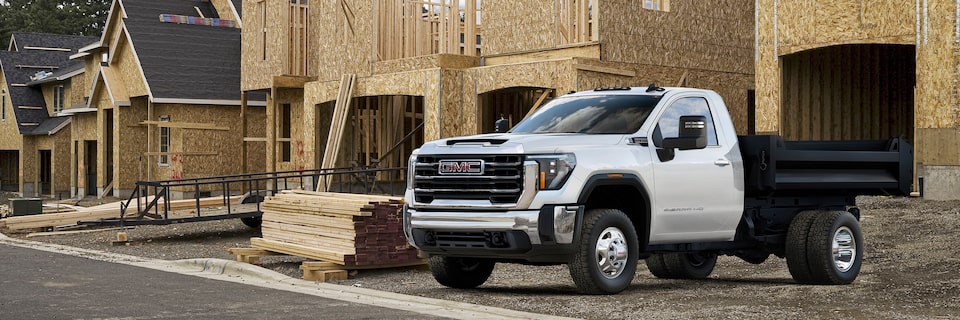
(909, 272)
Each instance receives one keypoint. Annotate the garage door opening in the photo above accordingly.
(849, 92)
(9, 170)
(511, 104)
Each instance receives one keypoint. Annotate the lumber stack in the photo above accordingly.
(346, 229)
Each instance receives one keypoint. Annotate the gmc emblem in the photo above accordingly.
(461, 167)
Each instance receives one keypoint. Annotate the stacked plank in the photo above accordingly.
(346, 229)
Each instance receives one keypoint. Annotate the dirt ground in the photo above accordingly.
(909, 272)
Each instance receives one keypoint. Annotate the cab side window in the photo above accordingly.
(669, 122)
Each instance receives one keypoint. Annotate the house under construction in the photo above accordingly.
(354, 83)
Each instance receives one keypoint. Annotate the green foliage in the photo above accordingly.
(77, 17)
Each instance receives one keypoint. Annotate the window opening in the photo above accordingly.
(164, 159)
(285, 116)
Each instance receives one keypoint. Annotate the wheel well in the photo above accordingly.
(628, 199)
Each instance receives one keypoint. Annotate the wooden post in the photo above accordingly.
(243, 134)
(271, 131)
(150, 148)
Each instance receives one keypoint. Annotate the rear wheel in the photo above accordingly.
(835, 248)
(606, 260)
(461, 273)
(796, 246)
(831, 252)
(696, 265)
(252, 222)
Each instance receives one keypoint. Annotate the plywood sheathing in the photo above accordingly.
(937, 109)
(708, 35)
(517, 26)
(264, 37)
(446, 61)
(345, 46)
(125, 65)
(10, 138)
(298, 161)
(790, 26)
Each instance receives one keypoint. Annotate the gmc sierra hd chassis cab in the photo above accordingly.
(600, 179)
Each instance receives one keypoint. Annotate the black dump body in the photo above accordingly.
(843, 168)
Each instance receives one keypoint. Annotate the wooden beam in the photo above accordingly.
(106, 190)
(182, 153)
(536, 105)
(340, 113)
(583, 50)
(291, 81)
(243, 133)
(683, 79)
(184, 125)
(255, 139)
(30, 107)
(619, 72)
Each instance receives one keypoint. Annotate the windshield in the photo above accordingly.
(611, 114)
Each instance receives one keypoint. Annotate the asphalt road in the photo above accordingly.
(44, 285)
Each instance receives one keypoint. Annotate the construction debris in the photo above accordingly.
(346, 229)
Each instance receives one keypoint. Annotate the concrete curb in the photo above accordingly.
(238, 272)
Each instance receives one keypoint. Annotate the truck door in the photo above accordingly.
(695, 192)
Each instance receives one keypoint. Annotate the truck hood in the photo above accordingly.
(508, 143)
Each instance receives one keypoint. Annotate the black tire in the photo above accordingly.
(796, 246)
(252, 222)
(614, 228)
(682, 265)
(460, 273)
(754, 256)
(834, 248)
(657, 266)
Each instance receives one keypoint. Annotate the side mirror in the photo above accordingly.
(501, 126)
(692, 134)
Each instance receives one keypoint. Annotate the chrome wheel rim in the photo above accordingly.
(611, 252)
(844, 249)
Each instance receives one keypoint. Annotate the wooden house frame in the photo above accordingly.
(838, 70)
(36, 83)
(149, 117)
(401, 73)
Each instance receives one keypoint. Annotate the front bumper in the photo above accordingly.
(532, 235)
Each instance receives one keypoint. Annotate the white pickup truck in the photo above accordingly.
(600, 179)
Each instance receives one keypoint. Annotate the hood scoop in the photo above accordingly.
(476, 141)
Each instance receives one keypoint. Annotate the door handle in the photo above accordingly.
(722, 162)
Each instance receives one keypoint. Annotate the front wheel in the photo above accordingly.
(606, 258)
(460, 273)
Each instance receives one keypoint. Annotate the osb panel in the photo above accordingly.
(711, 35)
(223, 9)
(453, 114)
(79, 88)
(937, 75)
(318, 92)
(767, 72)
(28, 163)
(256, 127)
(345, 46)
(802, 26)
(515, 26)
(10, 138)
(61, 162)
(261, 61)
(446, 61)
(469, 114)
(224, 144)
(298, 159)
(939, 146)
(432, 105)
(130, 138)
(404, 83)
(126, 66)
(546, 74)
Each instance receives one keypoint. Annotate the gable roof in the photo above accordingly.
(183, 62)
(19, 41)
(19, 66)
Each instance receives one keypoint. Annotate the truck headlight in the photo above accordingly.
(411, 170)
(554, 169)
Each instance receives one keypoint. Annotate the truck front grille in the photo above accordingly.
(501, 179)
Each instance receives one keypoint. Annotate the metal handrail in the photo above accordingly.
(255, 186)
